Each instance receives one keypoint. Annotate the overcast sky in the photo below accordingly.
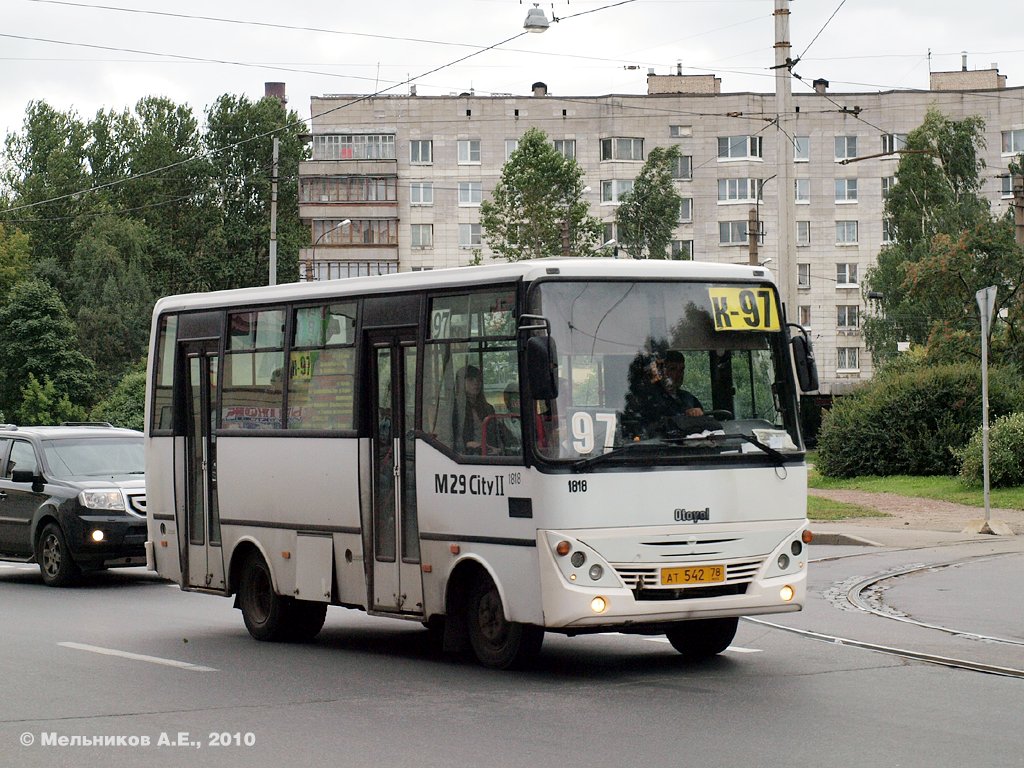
(88, 56)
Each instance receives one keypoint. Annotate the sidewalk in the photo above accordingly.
(909, 521)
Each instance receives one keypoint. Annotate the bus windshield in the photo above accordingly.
(667, 369)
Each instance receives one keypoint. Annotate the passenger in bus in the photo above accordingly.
(469, 415)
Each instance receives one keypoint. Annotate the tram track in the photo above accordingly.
(865, 595)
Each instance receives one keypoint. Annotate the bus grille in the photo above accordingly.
(644, 582)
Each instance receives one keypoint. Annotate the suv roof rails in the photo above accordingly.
(8, 426)
(86, 424)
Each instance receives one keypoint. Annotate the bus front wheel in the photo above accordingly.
(702, 638)
(497, 642)
(264, 611)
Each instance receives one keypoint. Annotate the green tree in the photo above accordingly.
(649, 212)
(112, 301)
(15, 259)
(537, 208)
(42, 404)
(126, 405)
(239, 138)
(946, 247)
(38, 337)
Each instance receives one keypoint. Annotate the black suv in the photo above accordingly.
(72, 498)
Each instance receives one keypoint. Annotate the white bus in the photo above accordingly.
(496, 452)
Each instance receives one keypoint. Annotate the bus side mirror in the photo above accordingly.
(806, 367)
(542, 367)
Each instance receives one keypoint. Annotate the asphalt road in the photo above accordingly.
(163, 678)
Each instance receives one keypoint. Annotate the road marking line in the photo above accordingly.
(138, 657)
(733, 648)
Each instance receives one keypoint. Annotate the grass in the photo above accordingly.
(941, 488)
(819, 508)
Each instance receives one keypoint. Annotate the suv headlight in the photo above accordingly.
(112, 500)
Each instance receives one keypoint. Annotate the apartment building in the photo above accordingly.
(395, 182)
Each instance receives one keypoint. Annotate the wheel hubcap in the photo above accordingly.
(492, 620)
(51, 554)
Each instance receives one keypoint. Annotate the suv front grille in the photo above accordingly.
(137, 504)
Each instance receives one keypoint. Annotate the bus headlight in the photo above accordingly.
(596, 572)
(783, 561)
(599, 605)
(786, 593)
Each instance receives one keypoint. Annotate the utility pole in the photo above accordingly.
(753, 233)
(1018, 207)
(273, 217)
(784, 156)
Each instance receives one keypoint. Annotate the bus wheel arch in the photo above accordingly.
(476, 603)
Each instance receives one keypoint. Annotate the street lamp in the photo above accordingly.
(536, 21)
(312, 258)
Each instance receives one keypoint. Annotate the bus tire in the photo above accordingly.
(497, 642)
(702, 638)
(56, 565)
(266, 613)
(307, 619)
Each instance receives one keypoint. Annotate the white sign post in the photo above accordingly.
(986, 304)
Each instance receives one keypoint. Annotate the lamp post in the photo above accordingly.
(536, 21)
(312, 256)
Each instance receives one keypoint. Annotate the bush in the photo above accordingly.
(911, 423)
(1005, 449)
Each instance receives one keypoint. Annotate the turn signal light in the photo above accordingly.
(563, 548)
(806, 536)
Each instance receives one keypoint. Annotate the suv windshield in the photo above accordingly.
(661, 363)
(94, 456)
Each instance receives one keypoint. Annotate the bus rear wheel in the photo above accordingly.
(497, 642)
(264, 611)
(702, 638)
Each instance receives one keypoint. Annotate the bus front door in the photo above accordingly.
(397, 582)
(204, 562)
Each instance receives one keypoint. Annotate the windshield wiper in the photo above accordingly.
(647, 446)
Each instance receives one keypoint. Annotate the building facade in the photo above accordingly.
(395, 182)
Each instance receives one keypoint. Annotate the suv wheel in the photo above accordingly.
(55, 562)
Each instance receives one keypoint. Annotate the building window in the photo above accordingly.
(686, 210)
(1006, 186)
(888, 230)
(846, 190)
(804, 315)
(469, 151)
(846, 233)
(329, 269)
(347, 189)
(469, 236)
(893, 143)
(612, 190)
(359, 146)
(735, 232)
(622, 149)
(803, 233)
(1013, 142)
(739, 190)
(421, 152)
(739, 147)
(846, 275)
(846, 147)
(422, 236)
(803, 275)
(680, 131)
(357, 232)
(421, 193)
(681, 250)
(801, 149)
(802, 191)
(888, 182)
(682, 168)
(848, 316)
(566, 148)
(470, 193)
(847, 359)
(511, 145)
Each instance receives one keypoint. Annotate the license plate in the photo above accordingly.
(696, 574)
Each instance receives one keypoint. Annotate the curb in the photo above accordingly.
(833, 539)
